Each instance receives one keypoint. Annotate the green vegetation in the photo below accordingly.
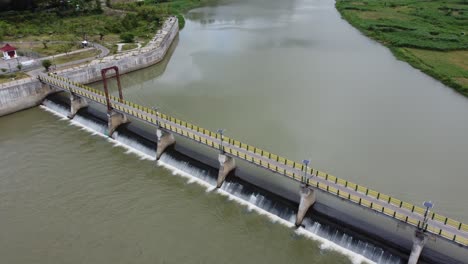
(430, 35)
(4, 78)
(46, 64)
(46, 21)
(38, 49)
(129, 46)
(76, 56)
(45, 4)
(52, 26)
(171, 7)
(127, 37)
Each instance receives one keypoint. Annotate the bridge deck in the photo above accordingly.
(392, 207)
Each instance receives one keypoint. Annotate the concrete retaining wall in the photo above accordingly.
(23, 94)
(153, 53)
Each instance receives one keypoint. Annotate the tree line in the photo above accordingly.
(18, 5)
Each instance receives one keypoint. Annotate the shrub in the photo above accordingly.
(130, 21)
(98, 8)
(127, 37)
(46, 64)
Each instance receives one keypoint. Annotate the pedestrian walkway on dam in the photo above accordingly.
(311, 179)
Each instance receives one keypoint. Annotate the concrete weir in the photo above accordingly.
(419, 240)
(226, 165)
(115, 119)
(165, 139)
(340, 207)
(307, 200)
(76, 103)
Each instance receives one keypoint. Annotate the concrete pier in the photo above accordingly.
(226, 165)
(165, 140)
(419, 241)
(307, 200)
(76, 103)
(115, 119)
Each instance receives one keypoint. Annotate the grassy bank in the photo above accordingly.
(89, 54)
(430, 35)
(107, 26)
(34, 49)
(172, 7)
(4, 78)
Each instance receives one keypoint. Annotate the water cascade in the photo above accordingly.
(277, 210)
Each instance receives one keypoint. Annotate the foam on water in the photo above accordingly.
(97, 129)
(325, 244)
(330, 239)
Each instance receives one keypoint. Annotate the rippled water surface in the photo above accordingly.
(288, 76)
(295, 79)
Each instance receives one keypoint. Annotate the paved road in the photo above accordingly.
(265, 162)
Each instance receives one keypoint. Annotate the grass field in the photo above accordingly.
(91, 54)
(141, 19)
(430, 35)
(4, 78)
(39, 49)
(129, 46)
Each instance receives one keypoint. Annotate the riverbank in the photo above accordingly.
(128, 61)
(23, 94)
(55, 28)
(173, 7)
(431, 36)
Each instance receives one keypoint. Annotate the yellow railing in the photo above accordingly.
(99, 96)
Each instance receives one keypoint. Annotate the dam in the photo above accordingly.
(422, 223)
(121, 199)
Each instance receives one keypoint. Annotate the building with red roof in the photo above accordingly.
(9, 52)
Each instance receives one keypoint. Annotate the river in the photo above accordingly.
(291, 77)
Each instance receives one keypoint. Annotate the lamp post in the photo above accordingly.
(220, 132)
(428, 205)
(306, 163)
(155, 108)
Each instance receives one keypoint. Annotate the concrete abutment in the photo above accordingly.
(307, 200)
(165, 140)
(115, 119)
(226, 165)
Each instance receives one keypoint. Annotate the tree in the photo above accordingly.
(46, 64)
(68, 45)
(44, 42)
(127, 37)
(19, 66)
(98, 7)
(130, 21)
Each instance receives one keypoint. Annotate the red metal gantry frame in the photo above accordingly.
(106, 90)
